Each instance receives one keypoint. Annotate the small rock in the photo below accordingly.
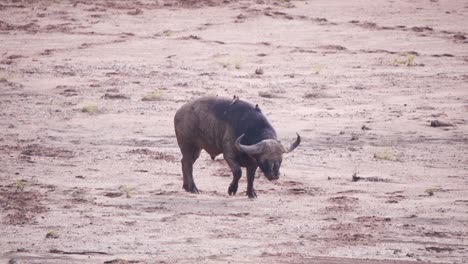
(13, 261)
(52, 234)
(113, 194)
(259, 71)
(459, 37)
(114, 96)
(241, 16)
(135, 12)
(119, 261)
(437, 123)
(194, 37)
(355, 178)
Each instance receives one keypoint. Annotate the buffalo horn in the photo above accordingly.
(249, 150)
(295, 144)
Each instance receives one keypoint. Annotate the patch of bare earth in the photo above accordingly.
(20, 207)
(90, 168)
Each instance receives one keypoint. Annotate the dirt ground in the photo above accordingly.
(90, 168)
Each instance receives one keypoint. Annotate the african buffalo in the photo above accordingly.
(235, 128)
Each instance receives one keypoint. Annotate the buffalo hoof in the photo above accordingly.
(191, 188)
(252, 195)
(232, 190)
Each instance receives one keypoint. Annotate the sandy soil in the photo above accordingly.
(89, 165)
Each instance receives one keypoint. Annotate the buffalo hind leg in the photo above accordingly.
(236, 175)
(250, 180)
(189, 156)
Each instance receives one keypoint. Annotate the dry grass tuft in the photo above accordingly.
(153, 96)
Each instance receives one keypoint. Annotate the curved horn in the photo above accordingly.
(295, 144)
(249, 150)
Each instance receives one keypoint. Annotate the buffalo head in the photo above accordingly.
(268, 153)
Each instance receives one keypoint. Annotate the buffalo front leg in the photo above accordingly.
(236, 175)
(188, 160)
(250, 180)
